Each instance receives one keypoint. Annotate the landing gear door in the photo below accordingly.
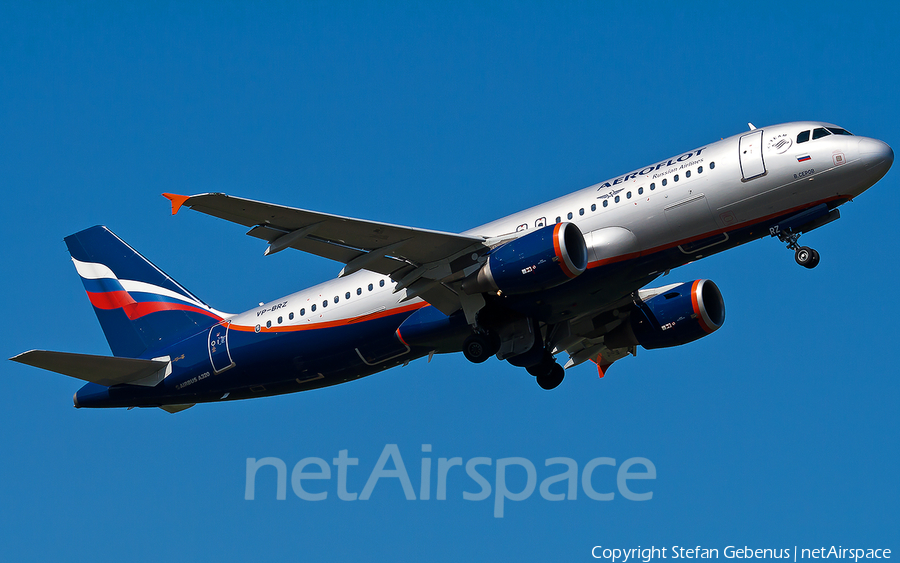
(219, 354)
(752, 165)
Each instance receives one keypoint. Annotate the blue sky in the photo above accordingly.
(781, 429)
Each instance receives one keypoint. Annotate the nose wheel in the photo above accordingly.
(803, 255)
(806, 257)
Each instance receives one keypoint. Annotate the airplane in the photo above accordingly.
(567, 276)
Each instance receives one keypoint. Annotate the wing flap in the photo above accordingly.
(102, 370)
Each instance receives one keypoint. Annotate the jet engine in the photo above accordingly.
(676, 315)
(545, 258)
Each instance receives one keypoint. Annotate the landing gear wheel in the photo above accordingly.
(477, 348)
(815, 260)
(543, 367)
(553, 378)
(806, 257)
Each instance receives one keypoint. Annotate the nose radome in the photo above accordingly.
(875, 152)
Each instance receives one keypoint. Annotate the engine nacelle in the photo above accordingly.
(681, 314)
(539, 260)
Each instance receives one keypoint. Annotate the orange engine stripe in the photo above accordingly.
(559, 254)
(696, 304)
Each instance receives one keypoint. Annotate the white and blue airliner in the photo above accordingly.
(564, 279)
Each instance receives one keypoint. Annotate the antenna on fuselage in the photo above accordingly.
(752, 127)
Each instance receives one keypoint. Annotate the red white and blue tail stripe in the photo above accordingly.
(140, 307)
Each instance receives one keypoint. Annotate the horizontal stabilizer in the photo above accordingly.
(102, 370)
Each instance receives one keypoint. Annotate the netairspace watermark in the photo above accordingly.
(480, 470)
(648, 554)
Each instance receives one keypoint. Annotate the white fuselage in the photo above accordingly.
(691, 195)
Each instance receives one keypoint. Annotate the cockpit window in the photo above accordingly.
(820, 132)
(803, 137)
(839, 131)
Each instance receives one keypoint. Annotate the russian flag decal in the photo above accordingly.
(803, 158)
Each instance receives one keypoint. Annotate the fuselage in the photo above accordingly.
(636, 225)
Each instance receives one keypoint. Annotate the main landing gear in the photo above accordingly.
(803, 255)
(548, 373)
(479, 347)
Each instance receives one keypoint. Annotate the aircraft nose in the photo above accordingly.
(877, 155)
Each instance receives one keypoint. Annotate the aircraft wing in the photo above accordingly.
(425, 263)
(585, 338)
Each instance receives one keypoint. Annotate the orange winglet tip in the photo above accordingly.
(177, 201)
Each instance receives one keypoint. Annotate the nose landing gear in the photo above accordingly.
(803, 255)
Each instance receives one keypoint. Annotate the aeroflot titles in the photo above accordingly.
(649, 169)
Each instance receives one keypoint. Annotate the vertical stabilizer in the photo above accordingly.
(139, 307)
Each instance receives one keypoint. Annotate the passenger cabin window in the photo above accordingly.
(820, 132)
(628, 195)
(640, 191)
(559, 219)
(593, 207)
(336, 298)
(302, 312)
(325, 303)
(380, 283)
(665, 181)
(652, 186)
(581, 211)
(268, 324)
(676, 177)
(313, 308)
(617, 199)
(347, 295)
(700, 170)
(712, 165)
(569, 216)
(803, 137)
(359, 291)
(279, 320)
(687, 174)
(291, 317)
(370, 287)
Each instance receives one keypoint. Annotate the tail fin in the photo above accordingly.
(139, 307)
